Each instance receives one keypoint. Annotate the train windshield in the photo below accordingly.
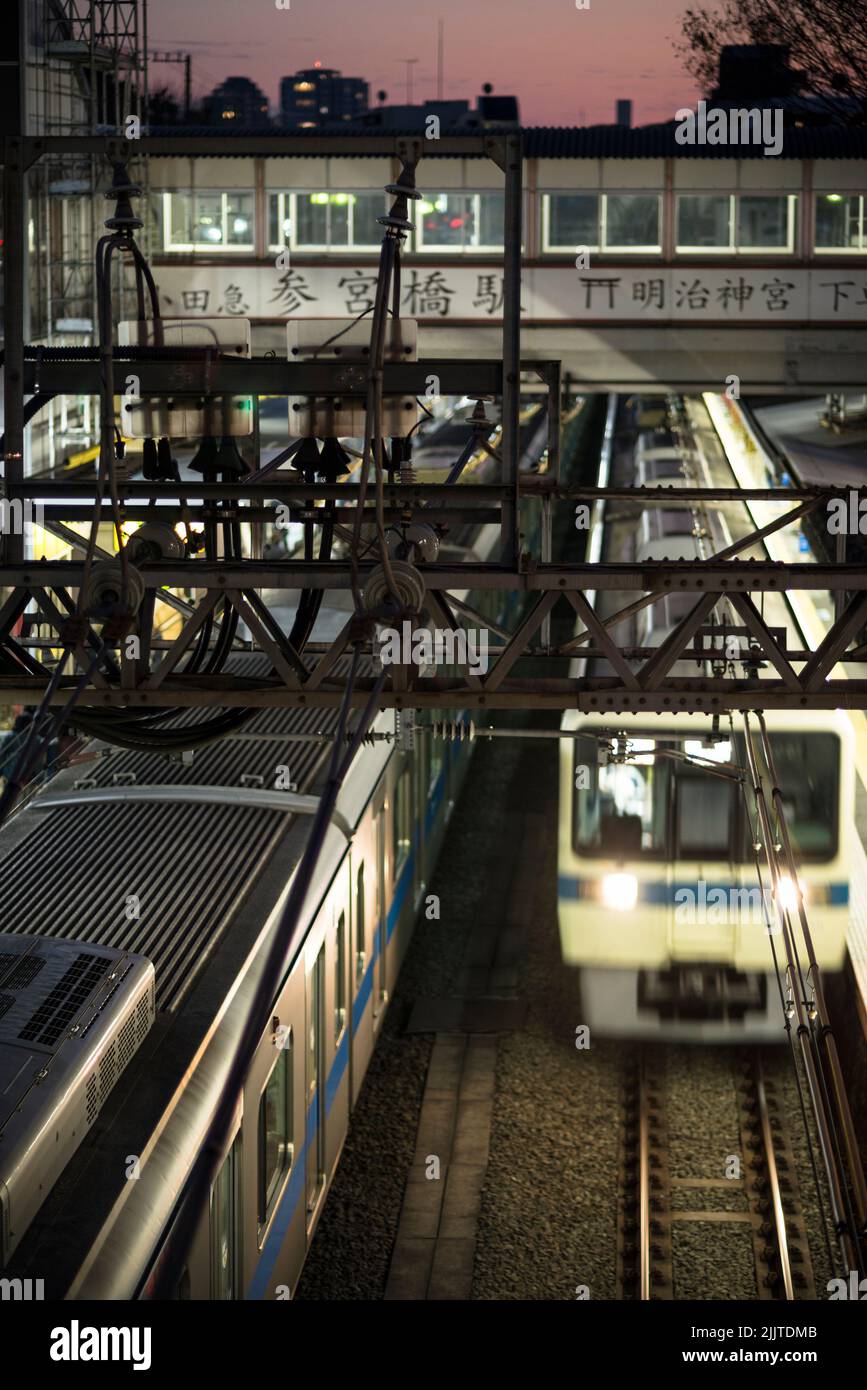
(656, 807)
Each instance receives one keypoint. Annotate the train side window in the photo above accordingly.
(340, 977)
(402, 822)
(360, 927)
(224, 1229)
(276, 1149)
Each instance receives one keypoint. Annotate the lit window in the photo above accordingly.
(840, 222)
(459, 221)
(323, 221)
(207, 221)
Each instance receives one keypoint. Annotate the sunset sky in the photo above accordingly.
(567, 66)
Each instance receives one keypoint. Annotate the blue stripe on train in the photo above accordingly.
(295, 1186)
(659, 894)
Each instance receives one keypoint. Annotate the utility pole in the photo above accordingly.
(440, 72)
(187, 60)
(409, 62)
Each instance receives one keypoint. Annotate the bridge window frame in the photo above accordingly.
(601, 243)
(473, 247)
(561, 248)
(736, 246)
(840, 195)
(279, 200)
(224, 246)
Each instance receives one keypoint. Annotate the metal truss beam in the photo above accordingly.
(590, 696)
(728, 577)
(197, 375)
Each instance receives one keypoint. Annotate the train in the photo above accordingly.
(138, 895)
(660, 907)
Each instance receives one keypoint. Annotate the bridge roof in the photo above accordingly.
(587, 142)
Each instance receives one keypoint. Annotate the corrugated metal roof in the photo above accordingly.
(589, 142)
(189, 864)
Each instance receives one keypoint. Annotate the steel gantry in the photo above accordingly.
(103, 672)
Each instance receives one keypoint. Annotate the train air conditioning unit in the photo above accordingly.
(72, 1016)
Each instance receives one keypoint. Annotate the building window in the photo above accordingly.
(459, 222)
(747, 224)
(207, 222)
(630, 222)
(276, 1150)
(570, 221)
(340, 977)
(840, 222)
(326, 221)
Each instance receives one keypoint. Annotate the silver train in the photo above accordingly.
(139, 895)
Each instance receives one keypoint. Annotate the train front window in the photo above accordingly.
(657, 807)
(808, 768)
(706, 810)
(621, 809)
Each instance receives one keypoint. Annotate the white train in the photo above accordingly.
(659, 901)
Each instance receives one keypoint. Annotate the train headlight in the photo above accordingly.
(620, 891)
(788, 890)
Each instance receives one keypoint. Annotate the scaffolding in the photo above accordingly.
(86, 74)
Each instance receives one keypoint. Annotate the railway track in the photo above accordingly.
(701, 1216)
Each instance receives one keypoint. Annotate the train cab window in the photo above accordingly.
(276, 1150)
(224, 1229)
(706, 808)
(808, 767)
(360, 927)
(621, 809)
(340, 977)
(402, 822)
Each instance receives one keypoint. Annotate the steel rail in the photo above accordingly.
(776, 1192)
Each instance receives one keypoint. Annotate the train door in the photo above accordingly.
(315, 1158)
(225, 1242)
(380, 970)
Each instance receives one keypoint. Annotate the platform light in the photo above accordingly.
(620, 891)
